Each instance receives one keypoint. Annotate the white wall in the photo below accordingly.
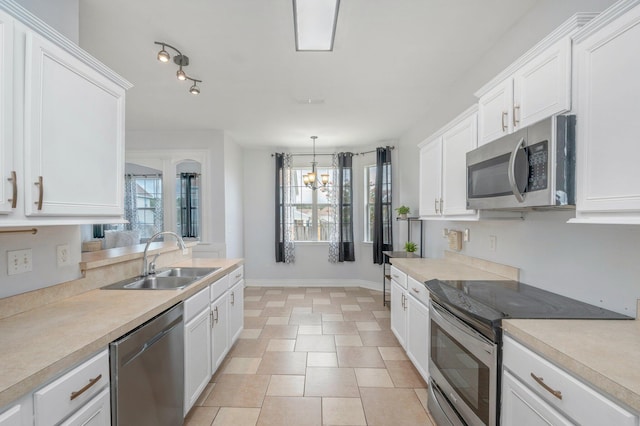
(63, 15)
(594, 263)
(233, 201)
(311, 265)
(43, 246)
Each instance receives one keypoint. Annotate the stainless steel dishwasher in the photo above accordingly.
(147, 373)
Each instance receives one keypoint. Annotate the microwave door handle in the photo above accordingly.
(512, 172)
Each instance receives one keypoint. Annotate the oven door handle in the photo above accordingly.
(513, 164)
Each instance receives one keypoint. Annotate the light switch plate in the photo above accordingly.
(19, 261)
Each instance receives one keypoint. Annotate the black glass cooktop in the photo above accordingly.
(491, 301)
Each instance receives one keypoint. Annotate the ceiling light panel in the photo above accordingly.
(315, 24)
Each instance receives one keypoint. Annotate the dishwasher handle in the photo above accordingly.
(151, 342)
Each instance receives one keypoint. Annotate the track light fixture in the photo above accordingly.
(180, 60)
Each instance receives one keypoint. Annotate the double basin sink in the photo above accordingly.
(166, 279)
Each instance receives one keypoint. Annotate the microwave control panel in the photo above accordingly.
(538, 165)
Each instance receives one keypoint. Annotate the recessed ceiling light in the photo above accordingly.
(310, 101)
(315, 24)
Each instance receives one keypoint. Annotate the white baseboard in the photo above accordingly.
(371, 285)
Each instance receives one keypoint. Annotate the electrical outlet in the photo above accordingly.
(445, 232)
(62, 255)
(19, 261)
(465, 236)
(493, 242)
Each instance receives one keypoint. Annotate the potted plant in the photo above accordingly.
(410, 246)
(403, 211)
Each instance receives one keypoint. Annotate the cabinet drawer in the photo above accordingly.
(96, 412)
(398, 276)
(65, 395)
(195, 304)
(236, 275)
(418, 290)
(218, 288)
(580, 402)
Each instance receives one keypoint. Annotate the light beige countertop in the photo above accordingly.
(604, 353)
(39, 344)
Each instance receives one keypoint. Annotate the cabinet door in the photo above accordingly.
(455, 144)
(12, 417)
(542, 87)
(219, 331)
(418, 336)
(236, 311)
(430, 178)
(197, 357)
(8, 189)
(96, 412)
(608, 89)
(74, 135)
(398, 313)
(494, 112)
(520, 406)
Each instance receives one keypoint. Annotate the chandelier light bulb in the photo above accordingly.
(325, 179)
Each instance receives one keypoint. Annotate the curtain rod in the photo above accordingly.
(355, 153)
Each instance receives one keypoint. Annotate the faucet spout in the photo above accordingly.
(145, 265)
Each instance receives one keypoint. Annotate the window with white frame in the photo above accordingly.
(369, 201)
(312, 211)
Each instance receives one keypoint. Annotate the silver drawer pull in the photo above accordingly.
(238, 276)
(14, 190)
(92, 382)
(546, 387)
(415, 289)
(40, 185)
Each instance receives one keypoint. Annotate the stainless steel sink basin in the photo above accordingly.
(169, 279)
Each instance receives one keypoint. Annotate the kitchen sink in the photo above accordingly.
(168, 279)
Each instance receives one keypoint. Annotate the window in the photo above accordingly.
(144, 212)
(187, 204)
(369, 201)
(313, 218)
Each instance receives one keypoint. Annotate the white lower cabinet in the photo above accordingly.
(12, 416)
(197, 347)
(20, 413)
(418, 341)
(96, 412)
(236, 311)
(535, 392)
(219, 331)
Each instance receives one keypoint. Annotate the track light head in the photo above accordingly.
(180, 60)
(163, 56)
(195, 90)
(181, 75)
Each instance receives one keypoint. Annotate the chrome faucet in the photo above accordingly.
(150, 268)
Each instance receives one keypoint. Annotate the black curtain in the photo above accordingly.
(382, 227)
(345, 207)
(279, 198)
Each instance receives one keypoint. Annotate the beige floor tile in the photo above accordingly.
(308, 343)
(299, 411)
(286, 385)
(339, 327)
(393, 407)
(322, 359)
(373, 377)
(252, 312)
(283, 363)
(336, 382)
(368, 326)
(379, 338)
(305, 319)
(302, 310)
(338, 294)
(204, 395)
(238, 390)
(358, 316)
(423, 396)
(343, 411)
(254, 322)
(327, 309)
(332, 317)
(309, 329)
(321, 301)
(250, 333)
(393, 353)
(348, 340)
(405, 375)
(295, 297)
(248, 348)
(350, 308)
(252, 298)
(201, 416)
(313, 290)
(275, 304)
(228, 416)
(365, 299)
(278, 321)
(349, 356)
(281, 345)
(381, 314)
(384, 323)
(273, 292)
(242, 366)
(279, 332)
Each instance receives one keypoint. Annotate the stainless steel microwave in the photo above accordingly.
(533, 167)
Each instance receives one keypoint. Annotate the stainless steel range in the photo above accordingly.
(466, 342)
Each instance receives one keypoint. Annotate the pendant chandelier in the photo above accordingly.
(310, 179)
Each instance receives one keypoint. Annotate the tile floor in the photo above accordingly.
(314, 356)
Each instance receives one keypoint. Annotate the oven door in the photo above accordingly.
(464, 365)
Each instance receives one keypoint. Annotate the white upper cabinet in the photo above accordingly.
(607, 127)
(534, 87)
(8, 186)
(430, 178)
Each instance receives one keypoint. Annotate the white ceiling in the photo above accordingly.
(393, 60)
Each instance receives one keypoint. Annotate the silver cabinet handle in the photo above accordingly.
(415, 290)
(216, 317)
(504, 124)
(233, 298)
(546, 387)
(440, 205)
(40, 186)
(211, 318)
(238, 276)
(512, 172)
(515, 120)
(14, 189)
(436, 205)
